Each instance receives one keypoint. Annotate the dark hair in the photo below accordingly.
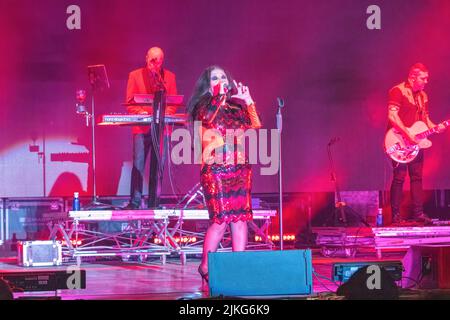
(416, 68)
(201, 89)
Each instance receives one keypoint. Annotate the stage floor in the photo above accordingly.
(118, 280)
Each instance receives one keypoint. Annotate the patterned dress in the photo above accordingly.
(226, 186)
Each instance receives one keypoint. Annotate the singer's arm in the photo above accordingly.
(251, 109)
(253, 115)
(243, 97)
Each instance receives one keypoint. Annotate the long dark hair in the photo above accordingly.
(201, 90)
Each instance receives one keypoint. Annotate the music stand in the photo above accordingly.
(98, 80)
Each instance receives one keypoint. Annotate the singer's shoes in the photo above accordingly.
(203, 274)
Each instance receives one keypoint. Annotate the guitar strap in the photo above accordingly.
(418, 99)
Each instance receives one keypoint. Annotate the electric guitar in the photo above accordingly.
(401, 150)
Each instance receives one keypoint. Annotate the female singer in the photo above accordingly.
(221, 103)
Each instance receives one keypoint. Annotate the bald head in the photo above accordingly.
(154, 58)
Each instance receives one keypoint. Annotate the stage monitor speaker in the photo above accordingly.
(260, 273)
(427, 267)
(357, 288)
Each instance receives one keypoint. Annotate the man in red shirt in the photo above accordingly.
(408, 103)
(147, 80)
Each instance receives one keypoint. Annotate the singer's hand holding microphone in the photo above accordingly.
(219, 92)
(239, 94)
(220, 89)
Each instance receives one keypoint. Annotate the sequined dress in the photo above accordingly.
(226, 186)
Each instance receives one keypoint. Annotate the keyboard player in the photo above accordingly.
(147, 80)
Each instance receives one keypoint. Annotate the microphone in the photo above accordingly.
(278, 115)
(230, 89)
(280, 102)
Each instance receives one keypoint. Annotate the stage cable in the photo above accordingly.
(318, 276)
(169, 165)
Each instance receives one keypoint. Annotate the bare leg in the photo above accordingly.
(213, 236)
(239, 235)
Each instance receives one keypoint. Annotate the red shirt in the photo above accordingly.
(412, 106)
(141, 82)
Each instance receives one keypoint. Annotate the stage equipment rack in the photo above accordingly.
(144, 233)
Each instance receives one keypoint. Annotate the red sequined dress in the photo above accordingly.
(226, 186)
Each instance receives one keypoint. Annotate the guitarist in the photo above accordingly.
(407, 104)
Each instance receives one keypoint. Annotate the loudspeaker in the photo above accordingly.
(357, 288)
(260, 273)
(426, 267)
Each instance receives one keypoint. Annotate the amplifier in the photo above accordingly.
(27, 218)
(44, 280)
(342, 271)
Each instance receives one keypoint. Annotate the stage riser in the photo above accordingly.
(297, 207)
(29, 219)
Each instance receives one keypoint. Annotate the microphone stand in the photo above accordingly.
(158, 141)
(93, 160)
(90, 120)
(339, 205)
(99, 81)
(346, 213)
(280, 176)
